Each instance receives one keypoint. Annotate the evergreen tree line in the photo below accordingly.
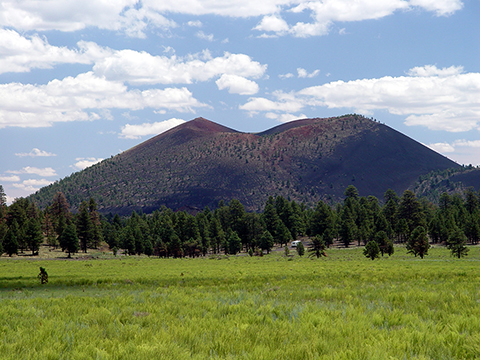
(24, 227)
(229, 229)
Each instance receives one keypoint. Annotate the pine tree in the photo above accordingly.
(410, 210)
(97, 226)
(84, 227)
(322, 222)
(348, 230)
(371, 250)
(234, 243)
(456, 243)
(283, 235)
(384, 243)
(3, 197)
(418, 244)
(317, 247)
(266, 241)
(69, 240)
(270, 217)
(10, 243)
(33, 235)
(300, 249)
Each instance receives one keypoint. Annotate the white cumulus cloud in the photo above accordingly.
(21, 54)
(140, 68)
(447, 102)
(272, 23)
(82, 163)
(36, 153)
(80, 98)
(66, 15)
(139, 130)
(442, 147)
(203, 36)
(135, 17)
(45, 172)
(302, 73)
(285, 117)
(11, 178)
(237, 85)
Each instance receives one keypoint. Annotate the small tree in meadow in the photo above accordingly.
(456, 243)
(371, 250)
(317, 248)
(418, 244)
(384, 243)
(300, 249)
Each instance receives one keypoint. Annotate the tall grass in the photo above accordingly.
(342, 307)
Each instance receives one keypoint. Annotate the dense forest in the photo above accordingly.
(230, 229)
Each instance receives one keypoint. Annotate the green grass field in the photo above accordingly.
(271, 307)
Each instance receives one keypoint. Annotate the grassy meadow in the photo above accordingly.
(340, 307)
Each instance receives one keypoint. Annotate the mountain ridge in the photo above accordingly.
(200, 162)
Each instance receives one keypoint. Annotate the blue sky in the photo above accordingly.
(81, 81)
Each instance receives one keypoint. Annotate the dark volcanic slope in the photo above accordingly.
(200, 163)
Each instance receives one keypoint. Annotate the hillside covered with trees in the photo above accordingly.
(200, 163)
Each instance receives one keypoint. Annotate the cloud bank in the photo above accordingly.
(439, 99)
(135, 17)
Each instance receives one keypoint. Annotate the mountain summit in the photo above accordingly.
(199, 163)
